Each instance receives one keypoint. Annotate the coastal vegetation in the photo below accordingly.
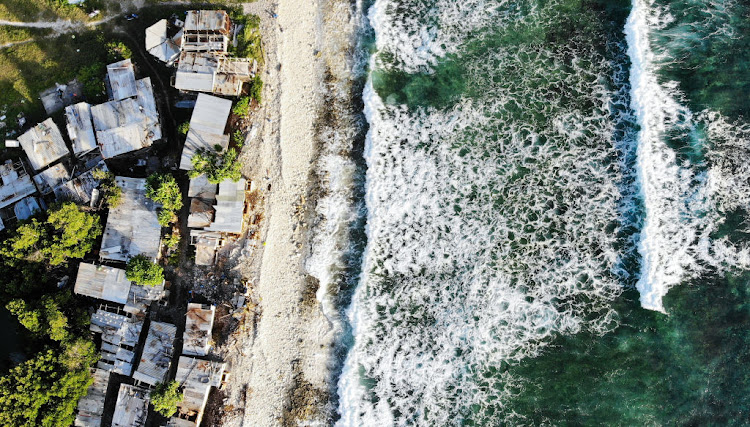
(142, 271)
(162, 188)
(216, 166)
(165, 398)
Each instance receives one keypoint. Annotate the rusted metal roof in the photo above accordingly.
(43, 144)
(157, 353)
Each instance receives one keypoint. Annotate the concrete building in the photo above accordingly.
(91, 406)
(196, 340)
(133, 226)
(196, 377)
(43, 144)
(214, 73)
(157, 353)
(230, 207)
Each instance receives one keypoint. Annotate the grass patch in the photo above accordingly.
(10, 34)
(37, 10)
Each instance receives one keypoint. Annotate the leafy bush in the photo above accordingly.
(165, 398)
(216, 166)
(183, 128)
(91, 78)
(163, 188)
(108, 188)
(141, 270)
(172, 241)
(242, 107)
(238, 138)
(117, 51)
(256, 88)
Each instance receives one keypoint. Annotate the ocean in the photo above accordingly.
(539, 214)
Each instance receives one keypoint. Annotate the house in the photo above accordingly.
(157, 353)
(128, 124)
(120, 332)
(52, 177)
(132, 226)
(102, 282)
(16, 183)
(131, 409)
(230, 207)
(80, 188)
(198, 324)
(206, 128)
(80, 128)
(27, 207)
(91, 406)
(159, 45)
(196, 377)
(121, 76)
(213, 72)
(207, 22)
(43, 144)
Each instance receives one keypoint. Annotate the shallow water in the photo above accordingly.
(540, 174)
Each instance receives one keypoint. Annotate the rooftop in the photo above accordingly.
(197, 377)
(80, 128)
(121, 79)
(91, 406)
(127, 125)
(132, 227)
(102, 282)
(49, 179)
(230, 207)
(27, 207)
(207, 21)
(159, 44)
(131, 408)
(157, 353)
(198, 324)
(43, 144)
(200, 187)
(120, 332)
(80, 188)
(16, 183)
(206, 127)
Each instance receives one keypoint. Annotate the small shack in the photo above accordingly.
(157, 353)
(230, 207)
(80, 128)
(120, 332)
(213, 72)
(131, 409)
(52, 177)
(130, 124)
(121, 77)
(198, 324)
(133, 226)
(80, 188)
(196, 377)
(158, 44)
(16, 183)
(27, 207)
(43, 144)
(102, 282)
(91, 406)
(206, 128)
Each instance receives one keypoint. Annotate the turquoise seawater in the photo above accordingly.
(557, 197)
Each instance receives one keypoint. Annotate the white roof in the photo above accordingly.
(131, 408)
(158, 44)
(43, 144)
(132, 227)
(102, 282)
(230, 207)
(16, 183)
(122, 79)
(199, 321)
(80, 128)
(206, 127)
(157, 353)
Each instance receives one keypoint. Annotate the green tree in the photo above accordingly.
(92, 78)
(183, 128)
(216, 166)
(165, 398)
(256, 88)
(28, 239)
(74, 233)
(141, 270)
(163, 188)
(117, 51)
(242, 107)
(108, 188)
(44, 317)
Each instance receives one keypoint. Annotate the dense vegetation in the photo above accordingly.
(110, 192)
(165, 398)
(162, 188)
(44, 390)
(216, 166)
(141, 270)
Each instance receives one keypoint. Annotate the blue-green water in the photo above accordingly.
(556, 198)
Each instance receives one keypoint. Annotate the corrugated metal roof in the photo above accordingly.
(207, 20)
(131, 408)
(79, 189)
(197, 377)
(230, 207)
(132, 227)
(200, 187)
(158, 44)
(120, 333)
(16, 183)
(51, 178)
(210, 114)
(157, 353)
(198, 324)
(43, 144)
(122, 79)
(102, 282)
(91, 406)
(80, 128)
